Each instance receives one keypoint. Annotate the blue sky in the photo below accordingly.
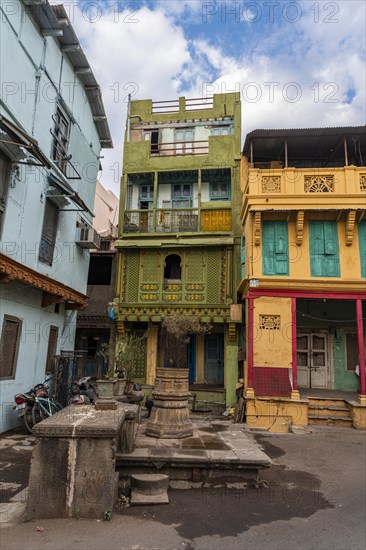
(295, 64)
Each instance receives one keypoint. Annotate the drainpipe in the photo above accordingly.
(250, 389)
(128, 118)
(361, 352)
(345, 152)
(286, 155)
(295, 392)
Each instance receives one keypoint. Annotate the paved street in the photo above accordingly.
(313, 497)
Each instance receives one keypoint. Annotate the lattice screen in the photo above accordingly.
(195, 268)
(362, 182)
(214, 276)
(319, 184)
(132, 283)
(150, 270)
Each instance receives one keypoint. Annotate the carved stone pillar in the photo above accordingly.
(170, 416)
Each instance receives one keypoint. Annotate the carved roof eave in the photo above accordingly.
(10, 270)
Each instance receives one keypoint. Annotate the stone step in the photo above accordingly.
(343, 412)
(330, 420)
(149, 489)
(325, 401)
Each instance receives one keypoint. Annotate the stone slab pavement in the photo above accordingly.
(213, 441)
(313, 497)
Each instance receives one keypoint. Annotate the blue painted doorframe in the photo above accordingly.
(191, 359)
(214, 359)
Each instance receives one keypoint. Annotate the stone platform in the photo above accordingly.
(217, 449)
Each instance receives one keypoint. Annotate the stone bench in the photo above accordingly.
(73, 464)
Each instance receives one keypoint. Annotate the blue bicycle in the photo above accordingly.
(43, 408)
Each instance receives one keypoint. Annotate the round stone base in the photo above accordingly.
(169, 423)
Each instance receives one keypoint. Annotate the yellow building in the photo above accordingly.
(304, 276)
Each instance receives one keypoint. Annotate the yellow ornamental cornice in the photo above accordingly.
(257, 228)
(300, 227)
(315, 284)
(54, 292)
(350, 227)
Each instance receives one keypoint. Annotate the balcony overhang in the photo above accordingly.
(175, 241)
(154, 313)
(291, 286)
(12, 136)
(53, 291)
(338, 204)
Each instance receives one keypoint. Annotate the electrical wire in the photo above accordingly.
(328, 320)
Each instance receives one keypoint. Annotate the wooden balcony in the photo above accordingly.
(174, 220)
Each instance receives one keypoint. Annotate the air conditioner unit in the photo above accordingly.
(88, 238)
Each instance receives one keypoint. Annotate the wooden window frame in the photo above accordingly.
(61, 138)
(5, 176)
(51, 352)
(178, 200)
(47, 244)
(220, 195)
(16, 348)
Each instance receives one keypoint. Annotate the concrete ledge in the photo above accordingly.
(217, 450)
(358, 414)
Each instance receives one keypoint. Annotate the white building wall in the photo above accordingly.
(33, 71)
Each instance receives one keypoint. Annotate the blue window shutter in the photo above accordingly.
(268, 248)
(324, 251)
(362, 245)
(330, 238)
(242, 256)
(281, 248)
(331, 259)
(275, 248)
(316, 232)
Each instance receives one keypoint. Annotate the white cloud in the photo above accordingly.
(145, 59)
(320, 62)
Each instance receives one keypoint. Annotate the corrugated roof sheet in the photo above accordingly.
(56, 18)
(313, 144)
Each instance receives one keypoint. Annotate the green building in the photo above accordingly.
(179, 233)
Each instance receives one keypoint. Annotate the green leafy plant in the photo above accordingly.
(176, 334)
(124, 356)
(130, 351)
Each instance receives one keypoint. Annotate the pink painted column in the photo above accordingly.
(294, 344)
(361, 353)
(250, 346)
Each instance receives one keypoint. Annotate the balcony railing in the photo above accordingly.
(180, 148)
(176, 220)
(307, 182)
(138, 221)
(188, 104)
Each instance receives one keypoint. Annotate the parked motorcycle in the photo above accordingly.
(83, 392)
(24, 404)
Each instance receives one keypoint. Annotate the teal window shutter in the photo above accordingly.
(362, 244)
(275, 248)
(242, 256)
(324, 251)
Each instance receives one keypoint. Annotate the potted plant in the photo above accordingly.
(130, 352)
(122, 359)
(106, 385)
